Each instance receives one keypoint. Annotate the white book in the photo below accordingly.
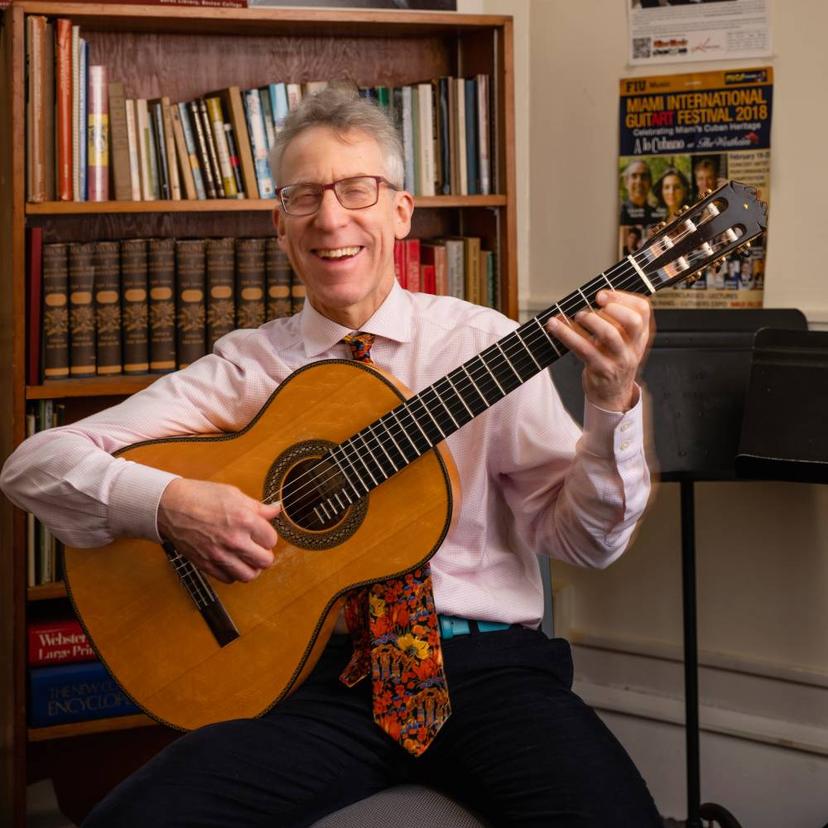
(294, 93)
(426, 143)
(258, 143)
(483, 161)
(132, 144)
(146, 150)
(408, 139)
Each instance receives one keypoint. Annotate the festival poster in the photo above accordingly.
(680, 136)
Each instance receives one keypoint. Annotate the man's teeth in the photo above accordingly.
(338, 252)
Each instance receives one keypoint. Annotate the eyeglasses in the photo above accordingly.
(354, 193)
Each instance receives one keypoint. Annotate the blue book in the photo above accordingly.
(278, 104)
(75, 693)
(192, 151)
(258, 142)
(471, 136)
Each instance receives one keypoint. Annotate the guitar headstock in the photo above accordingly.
(723, 221)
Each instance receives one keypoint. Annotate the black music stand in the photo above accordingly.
(697, 374)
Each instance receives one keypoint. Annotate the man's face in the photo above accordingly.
(705, 178)
(344, 257)
(638, 181)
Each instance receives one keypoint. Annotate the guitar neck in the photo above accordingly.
(405, 433)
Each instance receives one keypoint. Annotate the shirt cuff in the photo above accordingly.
(134, 499)
(614, 434)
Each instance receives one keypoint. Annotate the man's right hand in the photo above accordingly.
(218, 528)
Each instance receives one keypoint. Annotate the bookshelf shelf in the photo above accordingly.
(73, 208)
(94, 387)
(45, 734)
(46, 592)
(183, 52)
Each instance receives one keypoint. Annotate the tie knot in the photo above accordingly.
(360, 344)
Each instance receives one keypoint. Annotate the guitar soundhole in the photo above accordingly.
(315, 514)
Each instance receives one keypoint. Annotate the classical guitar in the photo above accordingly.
(367, 487)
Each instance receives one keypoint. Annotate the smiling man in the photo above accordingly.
(441, 676)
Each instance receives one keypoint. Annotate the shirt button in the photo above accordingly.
(625, 445)
(626, 425)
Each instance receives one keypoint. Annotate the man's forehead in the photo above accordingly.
(321, 150)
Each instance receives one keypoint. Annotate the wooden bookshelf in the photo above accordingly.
(183, 52)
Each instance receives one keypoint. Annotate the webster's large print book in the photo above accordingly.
(75, 693)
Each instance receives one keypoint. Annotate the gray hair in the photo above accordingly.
(342, 110)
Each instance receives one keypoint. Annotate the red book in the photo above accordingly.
(399, 262)
(427, 281)
(63, 107)
(412, 265)
(58, 642)
(435, 254)
(34, 299)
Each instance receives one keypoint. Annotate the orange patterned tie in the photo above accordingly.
(396, 638)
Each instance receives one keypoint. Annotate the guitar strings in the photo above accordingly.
(311, 478)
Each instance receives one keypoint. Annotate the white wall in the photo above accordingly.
(762, 548)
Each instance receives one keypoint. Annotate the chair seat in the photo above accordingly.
(414, 806)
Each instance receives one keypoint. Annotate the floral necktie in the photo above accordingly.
(396, 638)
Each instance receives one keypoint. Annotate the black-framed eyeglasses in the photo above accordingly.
(354, 193)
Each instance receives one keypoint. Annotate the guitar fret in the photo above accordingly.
(546, 334)
(417, 451)
(508, 362)
(611, 285)
(474, 385)
(585, 298)
(376, 462)
(382, 446)
(355, 473)
(411, 414)
(394, 441)
(459, 396)
(486, 366)
(431, 416)
(527, 349)
(641, 273)
(332, 455)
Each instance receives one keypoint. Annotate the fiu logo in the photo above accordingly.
(750, 76)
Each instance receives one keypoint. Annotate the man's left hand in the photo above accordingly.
(611, 341)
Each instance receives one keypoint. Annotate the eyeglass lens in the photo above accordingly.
(352, 193)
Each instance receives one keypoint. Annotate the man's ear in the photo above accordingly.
(279, 223)
(403, 211)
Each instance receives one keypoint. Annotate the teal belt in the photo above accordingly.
(451, 626)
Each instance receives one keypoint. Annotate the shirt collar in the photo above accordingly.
(391, 320)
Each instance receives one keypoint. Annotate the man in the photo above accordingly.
(705, 175)
(638, 182)
(517, 745)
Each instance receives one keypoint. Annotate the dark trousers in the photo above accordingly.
(520, 748)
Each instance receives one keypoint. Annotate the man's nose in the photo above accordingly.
(330, 211)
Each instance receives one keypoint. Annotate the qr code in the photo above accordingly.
(641, 47)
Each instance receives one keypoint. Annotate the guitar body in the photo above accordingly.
(145, 625)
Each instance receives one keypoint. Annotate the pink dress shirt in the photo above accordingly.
(532, 482)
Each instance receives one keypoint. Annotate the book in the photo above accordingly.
(191, 305)
(107, 274)
(250, 282)
(461, 156)
(216, 118)
(258, 143)
(278, 105)
(235, 164)
(74, 45)
(81, 310)
(278, 276)
(267, 116)
(63, 107)
(161, 305)
(425, 139)
(55, 311)
(146, 150)
(408, 139)
(58, 642)
(49, 113)
(159, 142)
(97, 149)
(483, 127)
(434, 254)
(199, 179)
(169, 144)
(411, 264)
(34, 302)
(119, 149)
(184, 168)
(36, 159)
(134, 305)
(471, 136)
(399, 262)
(193, 119)
(233, 107)
(74, 693)
(221, 274)
(134, 152)
(210, 143)
(83, 119)
(444, 132)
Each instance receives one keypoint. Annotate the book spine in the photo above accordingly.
(49, 110)
(81, 310)
(221, 275)
(185, 171)
(235, 164)
(216, 117)
(134, 305)
(169, 143)
(192, 151)
(75, 46)
(107, 267)
(426, 143)
(232, 99)
(201, 145)
(35, 137)
(445, 133)
(55, 311)
(83, 119)
(483, 126)
(212, 154)
(279, 105)
(258, 142)
(161, 282)
(399, 262)
(119, 142)
(277, 271)
(134, 152)
(408, 139)
(250, 283)
(34, 303)
(58, 642)
(160, 145)
(64, 107)
(471, 136)
(98, 135)
(412, 265)
(267, 116)
(462, 158)
(73, 693)
(190, 267)
(146, 152)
